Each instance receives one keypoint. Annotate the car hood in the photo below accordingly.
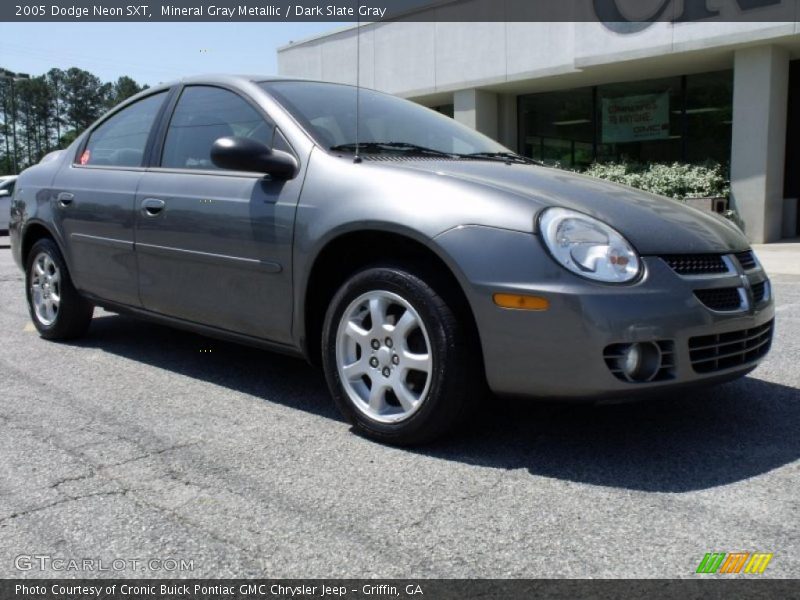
(653, 224)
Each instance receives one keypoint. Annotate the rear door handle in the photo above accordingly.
(65, 198)
(152, 207)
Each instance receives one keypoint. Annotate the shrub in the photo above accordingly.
(676, 180)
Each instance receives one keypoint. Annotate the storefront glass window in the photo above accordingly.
(558, 127)
(640, 121)
(446, 109)
(686, 119)
(709, 114)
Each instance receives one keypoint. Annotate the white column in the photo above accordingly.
(760, 96)
(476, 109)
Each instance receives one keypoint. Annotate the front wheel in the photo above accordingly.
(58, 311)
(399, 363)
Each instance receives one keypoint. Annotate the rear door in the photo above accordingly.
(94, 201)
(214, 246)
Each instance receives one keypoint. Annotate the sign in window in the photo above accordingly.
(635, 118)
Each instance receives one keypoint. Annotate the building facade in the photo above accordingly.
(575, 93)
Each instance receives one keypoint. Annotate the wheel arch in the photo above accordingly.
(350, 251)
(33, 232)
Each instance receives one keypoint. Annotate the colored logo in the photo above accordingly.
(753, 563)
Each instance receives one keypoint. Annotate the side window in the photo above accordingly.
(120, 141)
(203, 115)
(10, 187)
(279, 142)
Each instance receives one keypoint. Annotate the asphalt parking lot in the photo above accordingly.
(141, 442)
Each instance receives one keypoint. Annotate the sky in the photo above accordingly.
(151, 52)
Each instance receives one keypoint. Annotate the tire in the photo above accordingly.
(419, 399)
(67, 314)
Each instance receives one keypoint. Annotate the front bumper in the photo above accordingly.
(562, 352)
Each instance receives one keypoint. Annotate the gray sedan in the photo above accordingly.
(419, 262)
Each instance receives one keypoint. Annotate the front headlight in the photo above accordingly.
(588, 247)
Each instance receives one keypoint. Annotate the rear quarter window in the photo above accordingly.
(120, 141)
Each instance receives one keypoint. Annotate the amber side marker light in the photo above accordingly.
(521, 302)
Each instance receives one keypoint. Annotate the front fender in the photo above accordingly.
(307, 253)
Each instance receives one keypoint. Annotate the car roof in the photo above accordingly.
(208, 79)
(240, 81)
(221, 79)
(227, 79)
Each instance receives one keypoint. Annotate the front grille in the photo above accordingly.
(710, 353)
(721, 299)
(696, 264)
(747, 260)
(759, 291)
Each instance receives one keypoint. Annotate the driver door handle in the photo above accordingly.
(152, 207)
(65, 198)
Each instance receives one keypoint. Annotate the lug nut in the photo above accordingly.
(388, 342)
(395, 360)
(386, 371)
(375, 344)
(373, 362)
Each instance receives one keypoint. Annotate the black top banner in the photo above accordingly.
(392, 589)
(633, 12)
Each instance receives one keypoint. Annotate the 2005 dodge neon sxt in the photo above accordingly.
(416, 259)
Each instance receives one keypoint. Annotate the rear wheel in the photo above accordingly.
(58, 311)
(398, 361)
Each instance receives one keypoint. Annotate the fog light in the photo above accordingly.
(631, 360)
(640, 361)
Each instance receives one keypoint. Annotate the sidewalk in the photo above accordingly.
(780, 258)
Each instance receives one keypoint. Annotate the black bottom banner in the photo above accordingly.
(376, 589)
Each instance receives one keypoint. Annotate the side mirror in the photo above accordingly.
(244, 154)
(4, 193)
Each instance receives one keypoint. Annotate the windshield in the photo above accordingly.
(328, 112)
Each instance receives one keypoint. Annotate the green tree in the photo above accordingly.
(122, 89)
(35, 100)
(67, 138)
(85, 97)
(49, 111)
(23, 98)
(6, 147)
(55, 79)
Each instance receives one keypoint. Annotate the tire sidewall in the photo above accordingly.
(71, 318)
(417, 293)
(42, 246)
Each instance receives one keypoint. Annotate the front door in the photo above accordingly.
(214, 246)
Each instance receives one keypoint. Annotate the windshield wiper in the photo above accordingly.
(408, 147)
(504, 156)
(377, 146)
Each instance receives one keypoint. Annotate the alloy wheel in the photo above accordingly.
(45, 288)
(384, 356)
